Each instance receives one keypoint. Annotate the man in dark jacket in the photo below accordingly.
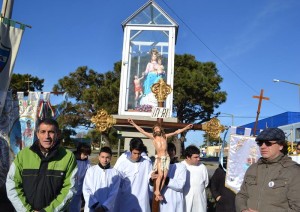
(224, 197)
(42, 176)
(273, 183)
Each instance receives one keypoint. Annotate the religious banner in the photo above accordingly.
(243, 151)
(59, 108)
(9, 114)
(45, 108)
(18, 122)
(22, 132)
(295, 158)
(10, 39)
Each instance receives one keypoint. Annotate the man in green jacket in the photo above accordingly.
(42, 176)
(273, 183)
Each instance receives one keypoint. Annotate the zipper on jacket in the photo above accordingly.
(262, 187)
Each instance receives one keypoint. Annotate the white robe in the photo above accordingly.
(134, 190)
(173, 192)
(127, 154)
(100, 185)
(194, 188)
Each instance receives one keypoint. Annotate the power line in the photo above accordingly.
(219, 58)
(246, 117)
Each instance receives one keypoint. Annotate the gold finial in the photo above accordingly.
(213, 128)
(161, 90)
(103, 121)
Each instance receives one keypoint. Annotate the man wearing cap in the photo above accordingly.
(273, 183)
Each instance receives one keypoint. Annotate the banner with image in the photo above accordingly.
(243, 151)
(22, 132)
(9, 114)
(18, 121)
(10, 39)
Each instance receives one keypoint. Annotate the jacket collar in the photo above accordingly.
(104, 167)
(282, 159)
(275, 160)
(52, 152)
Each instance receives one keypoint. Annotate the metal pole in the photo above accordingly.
(299, 97)
(292, 83)
(119, 147)
(292, 140)
(7, 7)
(232, 117)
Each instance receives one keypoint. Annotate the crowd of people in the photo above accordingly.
(47, 177)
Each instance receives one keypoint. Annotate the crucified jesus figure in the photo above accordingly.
(162, 159)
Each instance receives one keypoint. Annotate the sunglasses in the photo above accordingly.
(267, 143)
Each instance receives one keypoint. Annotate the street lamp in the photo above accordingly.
(293, 83)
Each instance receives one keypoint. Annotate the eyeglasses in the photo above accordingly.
(267, 143)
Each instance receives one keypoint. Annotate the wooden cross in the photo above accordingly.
(260, 97)
(161, 90)
(28, 84)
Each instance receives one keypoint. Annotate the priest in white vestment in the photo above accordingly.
(196, 181)
(101, 184)
(135, 173)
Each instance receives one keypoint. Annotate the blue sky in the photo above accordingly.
(251, 41)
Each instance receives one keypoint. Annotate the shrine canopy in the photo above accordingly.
(147, 56)
(150, 14)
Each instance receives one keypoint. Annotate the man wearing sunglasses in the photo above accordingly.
(273, 183)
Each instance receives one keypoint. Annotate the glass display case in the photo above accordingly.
(148, 55)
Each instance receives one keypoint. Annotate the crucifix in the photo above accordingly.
(260, 97)
(161, 90)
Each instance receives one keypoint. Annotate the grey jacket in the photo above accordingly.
(271, 186)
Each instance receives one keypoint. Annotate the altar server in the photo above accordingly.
(135, 173)
(196, 181)
(101, 184)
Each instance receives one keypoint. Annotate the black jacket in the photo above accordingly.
(227, 201)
